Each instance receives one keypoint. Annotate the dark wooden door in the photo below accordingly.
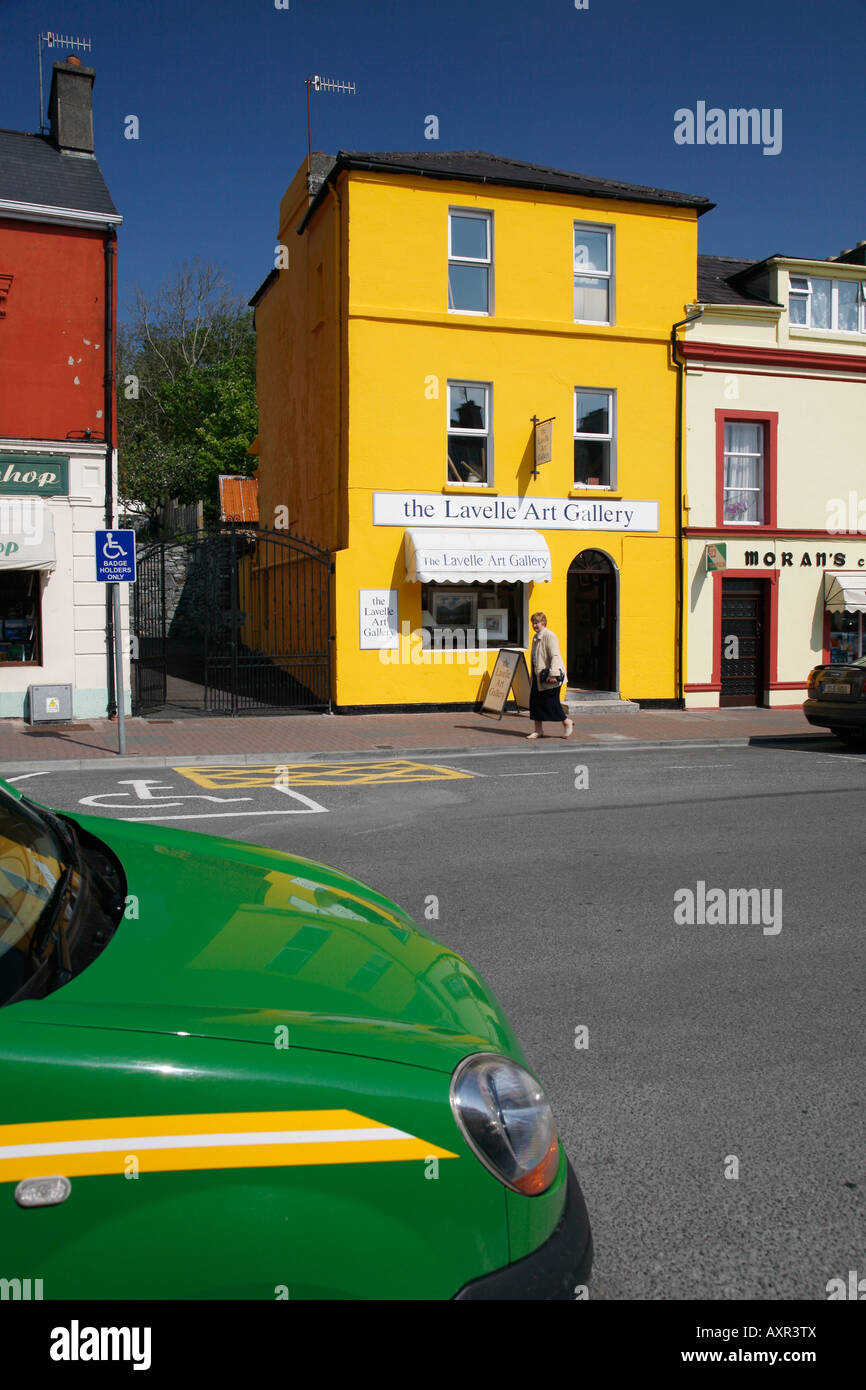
(742, 638)
(591, 602)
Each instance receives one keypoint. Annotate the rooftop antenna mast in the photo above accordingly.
(52, 40)
(320, 84)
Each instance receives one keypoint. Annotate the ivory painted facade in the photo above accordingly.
(776, 419)
(428, 306)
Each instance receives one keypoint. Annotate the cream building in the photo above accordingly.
(774, 480)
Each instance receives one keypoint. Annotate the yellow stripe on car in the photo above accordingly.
(167, 1143)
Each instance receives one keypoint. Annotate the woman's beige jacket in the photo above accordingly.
(546, 653)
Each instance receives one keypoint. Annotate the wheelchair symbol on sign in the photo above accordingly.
(112, 550)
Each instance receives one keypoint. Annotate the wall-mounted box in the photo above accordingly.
(49, 704)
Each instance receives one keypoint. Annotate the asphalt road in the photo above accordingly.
(715, 1115)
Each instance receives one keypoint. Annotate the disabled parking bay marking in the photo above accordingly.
(283, 776)
(149, 799)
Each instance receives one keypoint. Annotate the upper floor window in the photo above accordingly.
(470, 261)
(593, 274)
(743, 496)
(594, 438)
(468, 432)
(817, 302)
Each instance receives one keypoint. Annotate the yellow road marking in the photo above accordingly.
(319, 774)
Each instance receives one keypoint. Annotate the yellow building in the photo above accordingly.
(427, 309)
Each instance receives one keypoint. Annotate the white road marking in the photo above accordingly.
(22, 776)
(528, 774)
(225, 815)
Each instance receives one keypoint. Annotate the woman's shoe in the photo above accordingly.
(535, 735)
(569, 728)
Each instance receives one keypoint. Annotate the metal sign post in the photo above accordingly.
(115, 565)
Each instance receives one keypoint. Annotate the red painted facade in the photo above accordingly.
(52, 333)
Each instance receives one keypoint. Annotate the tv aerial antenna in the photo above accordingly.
(320, 84)
(52, 40)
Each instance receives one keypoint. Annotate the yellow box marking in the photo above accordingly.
(319, 774)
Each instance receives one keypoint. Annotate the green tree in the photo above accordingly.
(186, 392)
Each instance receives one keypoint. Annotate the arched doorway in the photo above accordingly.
(592, 610)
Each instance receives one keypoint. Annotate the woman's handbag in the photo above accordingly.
(547, 679)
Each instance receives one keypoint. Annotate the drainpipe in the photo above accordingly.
(108, 418)
(680, 622)
(338, 481)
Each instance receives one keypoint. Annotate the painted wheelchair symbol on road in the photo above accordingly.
(155, 798)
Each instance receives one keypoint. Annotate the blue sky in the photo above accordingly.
(218, 87)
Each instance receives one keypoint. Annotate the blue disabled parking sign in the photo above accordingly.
(115, 557)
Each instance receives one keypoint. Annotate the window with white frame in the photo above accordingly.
(469, 432)
(594, 438)
(814, 301)
(593, 273)
(470, 261)
(743, 501)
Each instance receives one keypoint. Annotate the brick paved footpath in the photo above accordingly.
(157, 742)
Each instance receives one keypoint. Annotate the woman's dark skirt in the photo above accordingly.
(545, 705)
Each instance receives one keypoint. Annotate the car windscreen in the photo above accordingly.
(32, 864)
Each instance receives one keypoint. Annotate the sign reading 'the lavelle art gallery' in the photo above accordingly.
(554, 513)
(378, 618)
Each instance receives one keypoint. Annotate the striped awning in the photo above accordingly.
(845, 591)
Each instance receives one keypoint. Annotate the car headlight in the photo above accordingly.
(502, 1113)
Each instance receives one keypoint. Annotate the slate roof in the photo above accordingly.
(476, 166)
(715, 277)
(33, 170)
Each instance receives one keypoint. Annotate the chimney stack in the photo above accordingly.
(856, 256)
(70, 107)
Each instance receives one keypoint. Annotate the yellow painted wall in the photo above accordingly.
(400, 335)
(389, 294)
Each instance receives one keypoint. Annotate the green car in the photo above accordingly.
(227, 1072)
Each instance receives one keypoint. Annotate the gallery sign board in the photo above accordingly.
(545, 513)
(509, 672)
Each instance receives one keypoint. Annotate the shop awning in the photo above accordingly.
(454, 556)
(845, 589)
(26, 538)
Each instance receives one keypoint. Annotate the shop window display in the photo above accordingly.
(847, 635)
(467, 610)
(20, 615)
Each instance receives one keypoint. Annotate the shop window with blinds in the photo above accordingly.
(20, 617)
(743, 488)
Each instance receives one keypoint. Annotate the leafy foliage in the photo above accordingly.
(186, 392)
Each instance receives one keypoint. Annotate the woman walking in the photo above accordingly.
(548, 673)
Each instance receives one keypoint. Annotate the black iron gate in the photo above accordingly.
(231, 623)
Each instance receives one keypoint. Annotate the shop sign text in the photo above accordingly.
(785, 559)
(378, 618)
(45, 476)
(555, 513)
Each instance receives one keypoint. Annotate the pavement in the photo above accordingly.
(163, 742)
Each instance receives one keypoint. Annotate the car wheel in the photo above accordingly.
(852, 738)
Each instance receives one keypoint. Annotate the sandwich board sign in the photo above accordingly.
(509, 673)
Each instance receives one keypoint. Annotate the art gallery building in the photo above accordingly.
(466, 396)
(775, 519)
